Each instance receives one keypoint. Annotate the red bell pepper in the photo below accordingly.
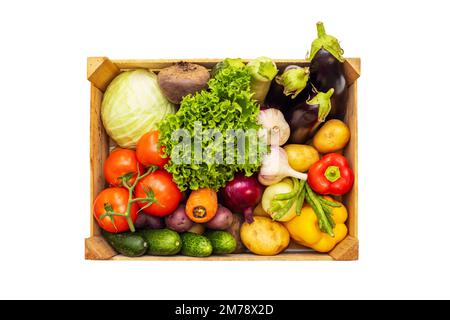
(331, 175)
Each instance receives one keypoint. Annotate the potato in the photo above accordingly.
(235, 231)
(222, 220)
(182, 79)
(333, 136)
(197, 228)
(145, 221)
(178, 221)
(259, 211)
(265, 237)
(301, 157)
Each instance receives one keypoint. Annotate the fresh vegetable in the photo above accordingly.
(113, 210)
(293, 80)
(242, 194)
(290, 88)
(202, 205)
(227, 104)
(275, 167)
(304, 229)
(283, 200)
(331, 175)
(322, 210)
(301, 157)
(222, 242)
(222, 220)
(162, 242)
(235, 231)
(129, 244)
(265, 237)
(178, 220)
(259, 210)
(195, 245)
(327, 70)
(332, 136)
(305, 118)
(182, 79)
(198, 228)
(233, 63)
(262, 70)
(148, 152)
(160, 187)
(145, 221)
(277, 130)
(120, 165)
(132, 105)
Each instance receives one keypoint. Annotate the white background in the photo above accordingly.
(403, 137)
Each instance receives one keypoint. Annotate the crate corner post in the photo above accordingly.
(352, 67)
(96, 248)
(101, 71)
(347, 250)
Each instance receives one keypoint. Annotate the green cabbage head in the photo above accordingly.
(132, 105)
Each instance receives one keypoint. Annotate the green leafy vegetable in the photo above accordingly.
(132, 105)
(228, 104)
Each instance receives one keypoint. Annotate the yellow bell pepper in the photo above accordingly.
(304, 229)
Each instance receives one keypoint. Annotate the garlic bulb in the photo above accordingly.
(275, 167)
(276, 130)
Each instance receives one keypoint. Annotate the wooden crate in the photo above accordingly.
(101, 71)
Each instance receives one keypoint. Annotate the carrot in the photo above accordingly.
(201, 205)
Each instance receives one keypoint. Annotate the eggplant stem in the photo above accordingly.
(320, 29)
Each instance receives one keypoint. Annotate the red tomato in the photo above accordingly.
(115, 199)
(147, 150)
(120, 163)
(166, 192)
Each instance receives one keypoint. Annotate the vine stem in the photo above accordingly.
(127, 214)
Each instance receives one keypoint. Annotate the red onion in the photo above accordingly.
(242, 194)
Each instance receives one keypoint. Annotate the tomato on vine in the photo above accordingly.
(122, 165)
(111, 207)
(116, 210)
(164, 190)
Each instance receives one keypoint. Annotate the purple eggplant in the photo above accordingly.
(327, 70)
(305, 117)
(289, 88)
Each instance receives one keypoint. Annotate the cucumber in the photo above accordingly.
(129, 244)
(195, 245)
(222, 242)
(162, 242)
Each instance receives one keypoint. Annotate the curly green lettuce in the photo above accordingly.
(227, 104)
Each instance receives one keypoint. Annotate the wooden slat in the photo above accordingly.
(347, 250)
(99, 151)
(96, 248)
(351, 153)
(351, 66)
(237, 257)
(101, 71)
(156, 65)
